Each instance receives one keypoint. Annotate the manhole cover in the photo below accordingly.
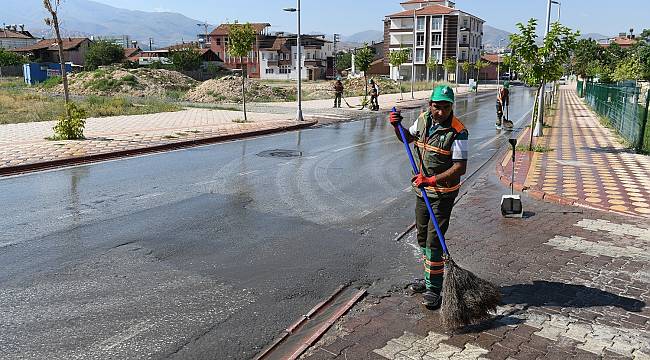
(280, 153)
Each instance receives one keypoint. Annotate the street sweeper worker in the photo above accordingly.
(338, 93)
(441, 148)
(503, 100)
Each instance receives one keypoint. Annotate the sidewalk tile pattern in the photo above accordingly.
(588, 165)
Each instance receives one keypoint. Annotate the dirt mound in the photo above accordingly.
(141, 82)
(358, 86)
(228, 89)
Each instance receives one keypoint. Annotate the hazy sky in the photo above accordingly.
(351, 16)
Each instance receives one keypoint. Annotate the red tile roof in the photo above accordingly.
(622, 42)
(224, 29)
(492, 58)
(428, 10)
(128, 52)
(4, 33)
(50, 44)
(420, 2)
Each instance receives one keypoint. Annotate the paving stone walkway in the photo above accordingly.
(575, 285)
(588, 165)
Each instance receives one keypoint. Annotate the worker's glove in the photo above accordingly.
(420, 180)
(395, 118)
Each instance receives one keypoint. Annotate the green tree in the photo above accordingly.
(186, 59)
(8, 58)
(432, 65)
(479, 65)
(585, 57)
(362, 59)
(645, 34)
(241, 38)
(396, 59)
(537, 65)
(467, 67)
(103, 53)
(343, 61)
(450, 67)
(628, 69)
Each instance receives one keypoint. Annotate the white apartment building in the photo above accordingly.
(439, 31)
(278, 58)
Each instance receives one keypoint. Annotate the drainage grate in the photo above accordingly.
(280, 153)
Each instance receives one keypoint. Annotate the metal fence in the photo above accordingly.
(626, 108)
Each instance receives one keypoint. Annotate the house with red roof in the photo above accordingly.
(47, 50)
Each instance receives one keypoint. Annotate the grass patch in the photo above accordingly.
(22, 107)
(51, 82)
(536, 148)
(239, 121)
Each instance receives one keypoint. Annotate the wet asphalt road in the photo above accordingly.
(210, 252)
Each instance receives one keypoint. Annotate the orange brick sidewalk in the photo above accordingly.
(588, 165)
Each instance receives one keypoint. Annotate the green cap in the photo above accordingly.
(443, 93)
(506, 84)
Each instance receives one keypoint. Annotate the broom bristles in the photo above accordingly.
(466, 298)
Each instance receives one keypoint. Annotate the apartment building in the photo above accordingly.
(437, 30)
(279, 54)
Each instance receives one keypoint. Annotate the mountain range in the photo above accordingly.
(88, 18)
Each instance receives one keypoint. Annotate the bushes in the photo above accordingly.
(103, 53)
(71, 124)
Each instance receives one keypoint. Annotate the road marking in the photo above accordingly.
(205, 182)
(389, 200)
(363, 144)
(128, 334)
(148, 196)
(497, 137)
(248, 173)
(408, 189)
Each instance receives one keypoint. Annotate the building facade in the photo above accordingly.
(278, 57)
(436, 30)
(47, 50)
(218, 42)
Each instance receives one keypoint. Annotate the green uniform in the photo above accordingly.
(437, 147)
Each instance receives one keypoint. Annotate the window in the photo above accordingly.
(419, 55)
(436, 23)
(464, 39)
(285, 69)
(270, 71)
(435, 54)
(263, 56)
(420, 40)
(421, 23)
(436, 39)
(464, 23)
(218, 41)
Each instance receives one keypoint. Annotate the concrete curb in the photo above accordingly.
(26, 168)
(546, 196)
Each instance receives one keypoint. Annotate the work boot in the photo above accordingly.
(417, 286)
(431, 300)
(508, 124)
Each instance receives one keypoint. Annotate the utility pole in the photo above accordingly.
(337, 37)
(539, 125)
(150, 44)
(205, 33)
(415, 20)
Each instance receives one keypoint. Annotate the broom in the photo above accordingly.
(466, 299)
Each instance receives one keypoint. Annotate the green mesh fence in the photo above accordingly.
(626, 108)
(580, 88)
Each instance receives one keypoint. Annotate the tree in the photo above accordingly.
(479, 65)
(103, 53)
(396, 59)
(645, 34)
(585, 57)
(53, 21)
(186, 59)
(343, 61)
(432, 65)
(8, 58)
(537, 65)
(71, 125)
(450, 66)
(467, 67)
(362, 59)
(628, 69)
(241, 38)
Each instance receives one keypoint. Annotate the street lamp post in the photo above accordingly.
(559, 8)
(205, 39)
(539, 125)
(299, 60)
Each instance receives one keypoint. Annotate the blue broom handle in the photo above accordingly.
(424, 193)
